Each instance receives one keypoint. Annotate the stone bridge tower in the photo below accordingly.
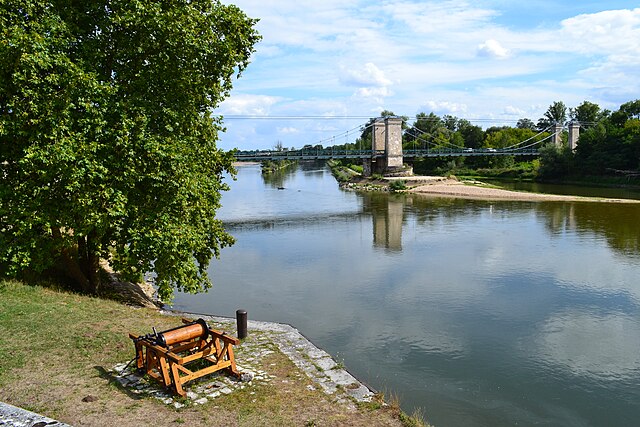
(387, 136)
(574, 135)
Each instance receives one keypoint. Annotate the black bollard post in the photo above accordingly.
(241, 318)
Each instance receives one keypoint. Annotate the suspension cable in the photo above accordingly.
(528, 139)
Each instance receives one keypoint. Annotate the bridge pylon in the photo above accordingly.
(574, 135)
(387, 136)
(557, 135)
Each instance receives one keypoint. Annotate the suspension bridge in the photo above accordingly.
(387, 154)
(331, 153)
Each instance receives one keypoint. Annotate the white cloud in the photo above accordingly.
(612, 33)
(568, 340)
(257, 105)
(439, 17)
(367, 76)
(377, 92)
(313, 107)
(610, 38)
(444, 107)
(316, 26)
(492, 49)
(514, 111)
(288, 130)
(371, 81)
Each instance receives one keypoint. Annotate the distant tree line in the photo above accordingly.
(609, 143)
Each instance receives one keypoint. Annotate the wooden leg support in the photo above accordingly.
(232, 369)
(177, 383)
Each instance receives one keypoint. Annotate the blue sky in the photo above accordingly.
(492, 62)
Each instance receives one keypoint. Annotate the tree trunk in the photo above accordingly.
(77, 266)
(82, 255)
(93, 262)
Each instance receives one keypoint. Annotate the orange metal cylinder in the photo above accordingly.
(198, 329)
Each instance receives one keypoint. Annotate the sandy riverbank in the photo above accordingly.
(238, 164)
(475, 190)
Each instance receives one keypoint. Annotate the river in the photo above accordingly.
(479, 313)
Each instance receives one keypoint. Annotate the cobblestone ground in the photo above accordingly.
(248, 357)
(264, 338)
(11, 416)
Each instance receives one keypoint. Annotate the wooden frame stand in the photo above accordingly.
(186, 353)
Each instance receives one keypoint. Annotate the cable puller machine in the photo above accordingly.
(185, 353)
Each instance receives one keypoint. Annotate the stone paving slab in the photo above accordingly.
(12, 416)
(316, 363)
(209, 387)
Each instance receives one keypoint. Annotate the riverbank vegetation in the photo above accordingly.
(272, 166)
(344, 171)
(50, 339)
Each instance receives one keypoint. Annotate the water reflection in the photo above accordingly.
(278, 178)
(617, 224)
(603, 346)
(482, 313)
(387, 215)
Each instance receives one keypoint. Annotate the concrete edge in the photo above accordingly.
(333, 378)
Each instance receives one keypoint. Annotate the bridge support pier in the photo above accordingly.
(557, 135)
(366, 168)
(387, 136)
(574, 135)
(393, 142)
(378, 137)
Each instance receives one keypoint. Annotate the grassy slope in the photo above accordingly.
(57, 348)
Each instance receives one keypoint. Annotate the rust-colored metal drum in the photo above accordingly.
(197, 329)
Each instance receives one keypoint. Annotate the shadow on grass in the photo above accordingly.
(112, 378)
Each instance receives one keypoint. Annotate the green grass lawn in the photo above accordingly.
(56, 348)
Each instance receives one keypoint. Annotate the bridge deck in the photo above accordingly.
(326, 154)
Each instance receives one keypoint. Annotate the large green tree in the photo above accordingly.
(526, 123)
(424, 130)
(613, 144)
(586, 114)
(631, 109)
(473, 135)
(556, 114)
(107, 142)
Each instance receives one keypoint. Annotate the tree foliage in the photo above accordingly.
(430, 129)
(586, 114)
(428, 123)
(508, 137)
(612, 144)
(631, 109)
(525, 123)
(554, 162)
(473, 135)
(107, 145)
(556, 114)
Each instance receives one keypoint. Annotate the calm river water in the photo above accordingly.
(479, 313)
